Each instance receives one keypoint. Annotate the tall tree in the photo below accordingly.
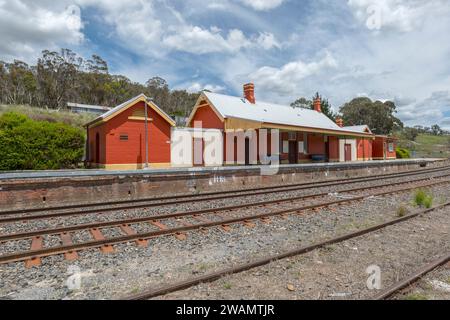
(436, 130)
(377, 115)
(308, 104)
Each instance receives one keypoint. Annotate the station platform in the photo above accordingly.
(39, 189)
(211, 170)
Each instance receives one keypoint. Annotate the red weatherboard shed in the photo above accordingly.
(116, 139)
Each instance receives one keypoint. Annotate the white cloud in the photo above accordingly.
(429, 111)
(402, 15)
(197, 87)
(287, 79)
(196, 40)
(262, 5)
(26, 27)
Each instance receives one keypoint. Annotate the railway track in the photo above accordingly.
(222, 218)
(411, 279)
(211, 277)
(112, 206)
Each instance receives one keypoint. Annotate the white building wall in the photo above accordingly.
(342, 143)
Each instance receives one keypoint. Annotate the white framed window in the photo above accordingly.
(285, 146)
(301, 147)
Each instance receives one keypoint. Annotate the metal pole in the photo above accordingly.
(146, 136)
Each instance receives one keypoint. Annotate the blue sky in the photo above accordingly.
(384, 49)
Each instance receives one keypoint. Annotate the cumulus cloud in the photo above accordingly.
(402, 15)
(430, 111)
(197, 87)
(194, 39)
(288, 78)
(26, 27)
(262, 5)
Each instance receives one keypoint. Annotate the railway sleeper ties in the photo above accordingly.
(207, 278)
(195, 215)
(98, 236)
(222, 195)
(229, 208)
(163, 227)
(102, 242)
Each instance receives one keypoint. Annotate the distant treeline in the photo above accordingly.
(60, 77)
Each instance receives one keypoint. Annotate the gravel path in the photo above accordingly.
(166, 259)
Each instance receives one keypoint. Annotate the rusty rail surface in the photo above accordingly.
(117, 223)
(242, 194)
(141, 237)
(264, 261)
(417, 275)
(216, 195)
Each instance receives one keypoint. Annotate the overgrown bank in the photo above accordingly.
(33, 144)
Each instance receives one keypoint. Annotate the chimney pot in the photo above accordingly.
(249, 92)
(317, 104)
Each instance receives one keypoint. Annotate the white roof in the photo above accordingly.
(127, 103)
(87, 106)
(361, 128)
(235, 107)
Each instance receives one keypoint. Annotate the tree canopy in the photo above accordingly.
(61, 77)
(308, 104)
(379, 116)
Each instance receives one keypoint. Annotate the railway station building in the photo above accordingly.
(138, 134)
(304, 135)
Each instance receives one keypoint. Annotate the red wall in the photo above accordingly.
(333, 145)
(379, 145)
(208, 117)
(115, 151)
(316, 144)
(364, 148)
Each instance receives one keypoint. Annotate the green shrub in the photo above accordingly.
(402, 153)
(27, 144)
(421, 198)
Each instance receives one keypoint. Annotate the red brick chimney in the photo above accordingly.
(339, 122)
(249, 92)
(317, 104)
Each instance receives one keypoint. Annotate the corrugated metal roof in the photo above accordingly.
(87, 106)
(361, 128)
(235, 107)
(125, 104)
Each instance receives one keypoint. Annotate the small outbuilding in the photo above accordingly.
(133, 135)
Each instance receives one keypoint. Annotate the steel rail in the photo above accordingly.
(418, 274)
(110, 209)
(44, 252)
(116, 223)
(222, 194)
(210, 277)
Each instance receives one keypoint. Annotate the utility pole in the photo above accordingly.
(146, 135)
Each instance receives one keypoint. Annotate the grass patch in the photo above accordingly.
(427, 145)
(416, 296)
(50, 115)
(423, 199)
(402, 211)
(227, 286)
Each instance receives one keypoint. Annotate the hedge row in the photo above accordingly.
(27, 144)
(403, 153)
